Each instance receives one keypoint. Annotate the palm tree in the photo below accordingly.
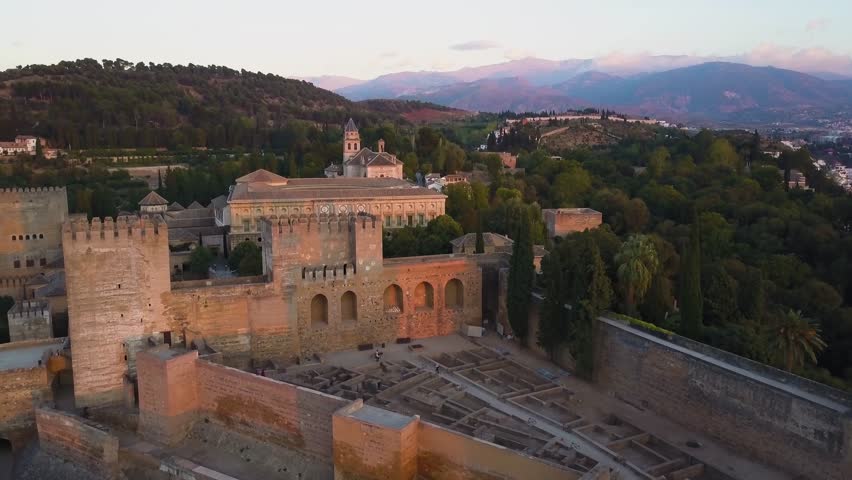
(796, 338)
(637, 263)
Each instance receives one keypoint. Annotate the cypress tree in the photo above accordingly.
(553, 321)
(521, 271)
(691, 300)
(480, 241)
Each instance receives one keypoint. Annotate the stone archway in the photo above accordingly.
(349, 307)
(392, 299)
(424, 296)
(319, 310)
(454, 294)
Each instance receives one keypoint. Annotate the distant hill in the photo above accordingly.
(497, 95)
(87, 104)
(719, 92)
(415, 111)
(332, 82)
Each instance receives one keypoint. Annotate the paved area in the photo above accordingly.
(521, 385)
(13, 357)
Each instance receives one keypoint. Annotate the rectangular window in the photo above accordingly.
(388, 221)
(421, 219)
(246, 225)
(30, 262)
(399, 220)
(17, 263)
(42, 262)
(411, 220)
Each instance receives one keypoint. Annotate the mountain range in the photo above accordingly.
(666, 87)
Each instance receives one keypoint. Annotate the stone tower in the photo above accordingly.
(351, 140)
(116, 275)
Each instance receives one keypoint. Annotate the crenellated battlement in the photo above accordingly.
(25, 309)
(17, 192)
(124, 227)
(277, 226)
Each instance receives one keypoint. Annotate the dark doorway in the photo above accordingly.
(167, 338)
(6, 458)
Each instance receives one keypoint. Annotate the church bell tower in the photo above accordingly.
(351, 140)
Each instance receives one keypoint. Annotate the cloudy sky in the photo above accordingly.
(367, 38)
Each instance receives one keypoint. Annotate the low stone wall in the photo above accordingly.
(20, 389)
(76, 440)
(771, 415)
(374, 444)
(276, 412)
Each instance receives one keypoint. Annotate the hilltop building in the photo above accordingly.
(362, 162)
(394, 202)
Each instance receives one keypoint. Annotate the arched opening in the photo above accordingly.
(319, 310)
(349, 307)
(393, 299)
(424, 296)
(454, 294)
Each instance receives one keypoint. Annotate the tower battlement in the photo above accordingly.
(37, 190)
(124, 227)
(322, 224)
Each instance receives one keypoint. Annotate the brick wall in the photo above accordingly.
(443, 454)
(20, 388)
(562, 221)
(262, 408)
(168, 394)
(368, 450)
(775, 419)
(372, 444)
(81, 442)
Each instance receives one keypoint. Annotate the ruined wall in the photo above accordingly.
(117, 277)
(240, 321)
(79, 441)
(562, 221)
(168, 394)
(781, 419)
(272, 411)
(31, 227)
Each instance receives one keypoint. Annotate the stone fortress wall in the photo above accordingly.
(777, 417)
(326, 287)
(179, 389)
(30, 234)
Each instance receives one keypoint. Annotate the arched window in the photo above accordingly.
(393, 299)
(319, 310)
(423, 297)
(349, 307)
(454, 294)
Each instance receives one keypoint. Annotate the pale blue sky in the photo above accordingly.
(371, 37)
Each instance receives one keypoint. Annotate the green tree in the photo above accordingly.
(691, 299)
(520, 282)
(721, 152)
(200, 260)
(39, 153)
(637, 263)
(796, 339)
(480, 241)
(246, 259)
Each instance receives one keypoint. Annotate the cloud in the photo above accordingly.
(813, 59)
(17, 44)
(817, 24)
(389, 54)
(475, 45)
